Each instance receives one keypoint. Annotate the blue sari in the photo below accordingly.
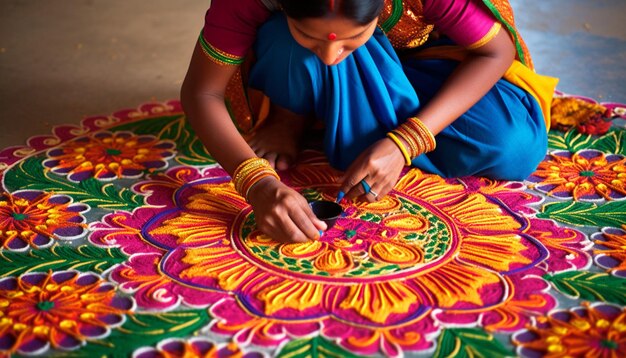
(371, 92)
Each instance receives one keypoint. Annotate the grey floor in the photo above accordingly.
(63, 60)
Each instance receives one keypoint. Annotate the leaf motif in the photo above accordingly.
(313, 348)
(614, 141)
(58, 258)
(144, 329)
(469, 342)
(556, 140)
(586, 214)
(311, 194)
(31, 174)
(190, 149)
(577, 141)
(571, 140)
(590, 286)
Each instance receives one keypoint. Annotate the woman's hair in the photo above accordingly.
(361, 11)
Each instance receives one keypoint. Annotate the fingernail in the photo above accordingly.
(321, 232)
(340, 196)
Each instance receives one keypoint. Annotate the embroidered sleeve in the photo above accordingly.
(230, 28)
(467, 22)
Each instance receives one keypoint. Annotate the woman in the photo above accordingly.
(444, 108)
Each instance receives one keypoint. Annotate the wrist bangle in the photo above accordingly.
(256, 180)
(249, 172)
(413, 148)
(425, 133)
(405, 154)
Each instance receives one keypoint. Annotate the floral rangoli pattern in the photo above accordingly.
(59, 310)
(37, 219)
(123, 237)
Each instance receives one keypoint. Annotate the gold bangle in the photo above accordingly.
(417, 133)
(412, 137)
(407, 157)
(407, 139)
(249, 172)
(247, 162)
(257, 178)
(246, 166)
(426, 133)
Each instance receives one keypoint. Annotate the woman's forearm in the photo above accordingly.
(211, 122)
(202, 98)
(470, 81)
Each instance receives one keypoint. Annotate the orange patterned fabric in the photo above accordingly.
(247, 107)
(410, 30)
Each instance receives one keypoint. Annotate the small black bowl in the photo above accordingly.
(327, 211)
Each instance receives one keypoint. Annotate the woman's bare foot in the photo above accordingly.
(277, 139)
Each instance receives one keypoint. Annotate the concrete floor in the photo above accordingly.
(63, 60)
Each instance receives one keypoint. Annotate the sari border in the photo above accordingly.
(218, 56)
(396, 14)
(493, 31)
(518, 46)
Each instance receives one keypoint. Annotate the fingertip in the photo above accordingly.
(340, 196)
(319, 235)
(321, 226)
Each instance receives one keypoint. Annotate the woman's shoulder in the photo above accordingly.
(230, 28)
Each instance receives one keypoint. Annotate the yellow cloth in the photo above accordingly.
(539, 86)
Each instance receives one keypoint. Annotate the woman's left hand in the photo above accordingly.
(379, 166)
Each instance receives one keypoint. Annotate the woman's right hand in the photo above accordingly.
(282, 213)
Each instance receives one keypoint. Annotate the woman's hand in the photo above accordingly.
(282, 213)
(379, 165)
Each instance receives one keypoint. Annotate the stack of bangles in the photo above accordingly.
(249, 172)
(416, 135)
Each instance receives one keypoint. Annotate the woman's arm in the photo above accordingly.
(202, 98)
(470, 81)
(381, 164)
(280, 212)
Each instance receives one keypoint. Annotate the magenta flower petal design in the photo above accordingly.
(385, 279)
(195, 347)
(108, 156)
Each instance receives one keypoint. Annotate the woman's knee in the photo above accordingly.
(519, 140)
(518, 156)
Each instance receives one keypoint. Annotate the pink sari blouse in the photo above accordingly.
(230, 25)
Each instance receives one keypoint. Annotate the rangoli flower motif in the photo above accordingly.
(107, 156)
(59, 310)
(37, 219)
(597, 330)
(353, 247)
(380, 280)
(194, 347)
(611, 254)
(586, 175)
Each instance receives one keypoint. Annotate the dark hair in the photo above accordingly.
(361, 11)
